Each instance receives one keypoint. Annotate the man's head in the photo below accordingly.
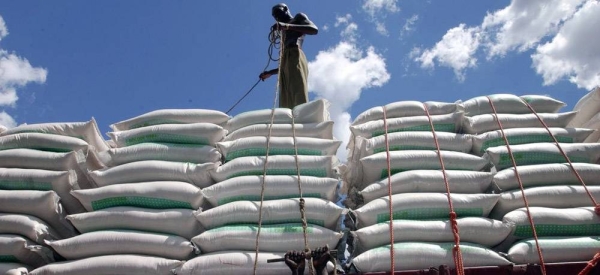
(281, 13)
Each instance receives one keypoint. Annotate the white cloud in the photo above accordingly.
(3, 29)
(6, 120)
(373, 7)
(350, 30)
(408, 25)
(381, 29)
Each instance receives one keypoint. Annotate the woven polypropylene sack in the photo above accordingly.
(194, 133)
(155, 170)
(318, 211)
(316, 166)
(485, 123)
(404, 109)
(276, 187)
(593, 123)
(415, 181)
(547, 175)
(555, 250)
(15, 248)
(235, 262)
(180, 222)
(257, 146)
(586, 108)
(315, 111)
(43, 142)
(483, 231)
(111, 242)
(422, 206)
(14, 269)
(42, 204)
(112, 264)
(62, 182)
(560, 196)
(511, 104)
(88, 131)
(518, 136)
(175, 152)
(172, 116)
(28, 226)
(273, 238)
(315, 130)
(154, 195)
(423, 255)
(542, 153)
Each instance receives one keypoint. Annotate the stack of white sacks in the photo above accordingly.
(139, 218)
(588, 114)
(40, 164)
(229, 244)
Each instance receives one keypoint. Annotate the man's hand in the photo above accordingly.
(264, 75)
(320, 257)
(296, 261)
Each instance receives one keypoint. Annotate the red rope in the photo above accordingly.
(514, 163)
(389, 170)
(591, 264)
(457, 254)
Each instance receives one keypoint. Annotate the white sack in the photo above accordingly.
(422, 206)
(14, 269)
(172, 116)
(423, 255)
(154, 195)
(318, 211)
(113, 264)
(43, 142)
(180, 222)
(192, 153)
(405, 109)
(24, 251)
(28, 226)
(257, 146)
(276, 187)
(195, 133)
(111, 242)
(511, 104)
(593, 123)
(273, 238)
(441, 123)
(542, 153)
(155, 170)
(315, 130)
(416, 181)
(518, 136)
(586, 108)
(485, 123)
(555, 250)
(317, 166)
(562, 196)
(546, 175)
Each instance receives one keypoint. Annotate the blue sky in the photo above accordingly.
(67, 61)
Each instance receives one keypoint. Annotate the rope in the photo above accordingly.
(262, 188)
(458, 259)
(591, 264)
(514, 163)
(389, 170)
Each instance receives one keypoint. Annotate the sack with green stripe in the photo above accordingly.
(483, 231)
(315, 130)
(28, 226)
(542, 153)
(42, 142)
(555, 250)
(62, 182)
(111, 242)
(316, 166)
(417, 181)
(423, 255)
(560, 196)
(486, 123)
(155, 170)
(510, 104)
(41, 204)
(411, 141)
(154, 195)
(273, 238)
(552, 222)
(546, 175)
(315, 111)
(276, 187)
(194, 133)
(375, 167)
(518, 136)
(318, 211)
(192, 153)
(180, 222)
(87, 131)
(404, 109)
(16, 249)
(14, 268)
(172, 116)
(423, 206)
(257, 146)
(111, 264)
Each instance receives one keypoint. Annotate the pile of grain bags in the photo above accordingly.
(422, 233)
(40, 164)
(588, 114)
(140, 218)
(229, 243)
(567, 232)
